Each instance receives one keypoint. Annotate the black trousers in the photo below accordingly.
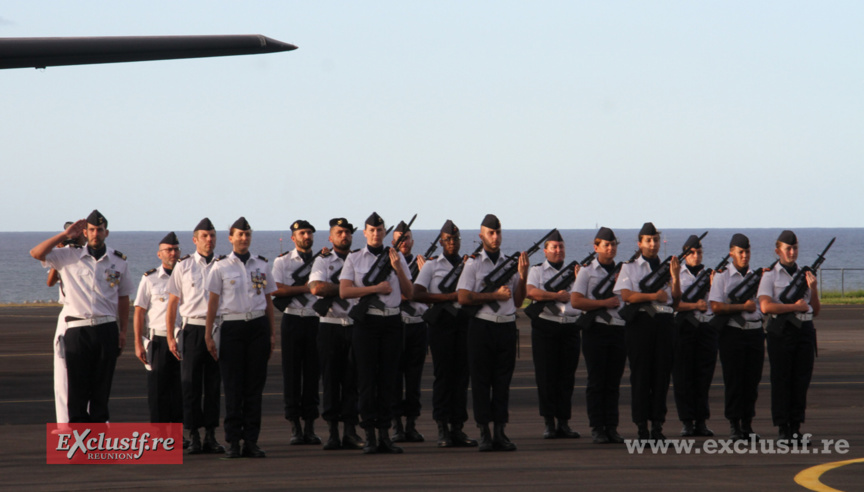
(742, 353)
(338, 373)
(300, 367)
(243, 352)
(605, 357)
(91, 354)
(448, 342)
(414, 346)
(491, 359)
(650, 351)
(164, 395)
(555, 349)
(377, 348)
(693, 370)
(200, 381)
(791, 355)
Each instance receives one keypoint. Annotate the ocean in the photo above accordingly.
(22, 279)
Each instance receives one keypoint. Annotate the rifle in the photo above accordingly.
(562, 280)
(603, 290)
(379, 272)
(300, 277)
(795, 291)
(742, 293)
(502, 274)
(413, 267)
(447, 286)
(653, 282)
(323, 305)
(698, 289)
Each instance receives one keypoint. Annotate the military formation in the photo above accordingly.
(357, 324)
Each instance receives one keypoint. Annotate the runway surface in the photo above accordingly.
(834, 412)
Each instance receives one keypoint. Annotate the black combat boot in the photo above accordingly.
(549, 430)
(735, 432)
(251, 450)
(599, 434)
(747, 430)
(642, 431)
(371, 446)
(411, 434)
(459, 438)
(444, 439)
(385, 445)
(211, 445)
(614, 436)
(398, 430)
(350, 439)
(688, 428)
(296, 432)
(485, 438)
(701, 429)
(500, 440)
(309, 436)
(333, 442)
(565, 431)
(233, 450)
(195, 442)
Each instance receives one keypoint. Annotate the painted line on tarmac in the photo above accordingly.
(809, 478)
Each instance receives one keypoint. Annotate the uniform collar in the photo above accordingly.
(161, 271)
(484, 256)
(108, 252)
(734, 271)
(777, 268)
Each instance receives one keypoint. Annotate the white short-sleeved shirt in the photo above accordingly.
(419, 307)
(323, 270)
(472, 280)
(153, 297)
(723, 285)
(687, 279)
(587, 280)
(538, 275)
(187, 282)
(283, 268)
(360, 262)
(632, 273)
(241, 288)
(92, 286)
(775, 281)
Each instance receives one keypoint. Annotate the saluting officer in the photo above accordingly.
(164, 394)
(741, 341)
(492, 336)
(695, 346)
(97, 285)
(199, 372)
(448, 341)
(414, 347)
(300, 370)
(338, 368)
(240, 285)
(554, 342)
(378, 338)
(602, 339)
(791, 348)
(648, 336)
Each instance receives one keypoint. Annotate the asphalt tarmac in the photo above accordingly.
(834, 412)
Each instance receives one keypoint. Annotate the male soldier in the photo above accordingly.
(602, 338)
(554, 341)
(448, 340)
(300, 370)
(741, 342)
(695, 346)
(97, 285)
(199, 371)
(240, 286)
(414, 346)
(377, 339)
(492, 336)
(791, 348)
(338, 368)
(164, 395)
(648, 336)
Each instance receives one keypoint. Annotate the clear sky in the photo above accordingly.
(549, 114)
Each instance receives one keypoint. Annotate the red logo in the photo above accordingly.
(135, 443)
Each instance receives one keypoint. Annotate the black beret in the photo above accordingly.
(170, 238)
(301, 224)
(449, 228)
(788, 237)
(97, 219)
(401, 227)
(241, 224)
(374, 220)
(491, 222)
(204, 225)
(606, 234)
(648, 229)
(555, 236)
(739, 240)
(342, 222)
(692, 242)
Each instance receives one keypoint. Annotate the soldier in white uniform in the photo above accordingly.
(97, 286)
(299, 334)
(554, 341)
(200, 378)
(164, 395)
(240, 285)
(335, 327)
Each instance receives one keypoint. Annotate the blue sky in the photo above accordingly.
(549, 114)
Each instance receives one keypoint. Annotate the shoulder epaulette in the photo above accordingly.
(356, 250)
(432, 258)
(473, 256)
(121, 255)
(539, 264)
(631, 261)
(221, 258)
(148, 272)
(185, 257)
(326, 254)
(265, 260)
(77, 246)
(280, 256)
